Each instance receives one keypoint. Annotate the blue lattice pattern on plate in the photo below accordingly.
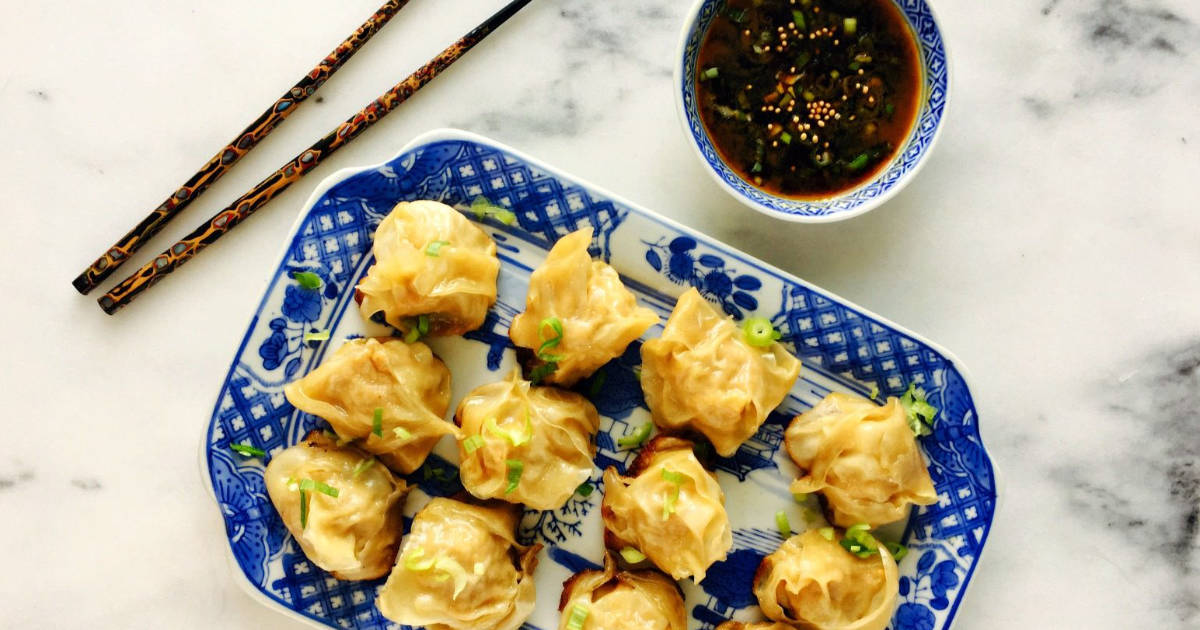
(842, 345)
(936, 79)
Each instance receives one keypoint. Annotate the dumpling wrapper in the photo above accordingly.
(353, 536)
(623, 600)
(599, 316)
(474, 551)
(406, 381)
(756, 625)
(693, 536)
(455, 288)
(862, 457)
(556, 447)
(701, 375)
(815, 584)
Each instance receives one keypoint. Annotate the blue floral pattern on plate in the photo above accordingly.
(843, 347)
(936, 92)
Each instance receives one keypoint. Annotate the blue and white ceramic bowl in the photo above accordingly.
(935, 81)
(843, 346)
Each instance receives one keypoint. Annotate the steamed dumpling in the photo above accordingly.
(599, 317)
(548, 430)
(670, 508)
(622, 600)
(813, 583)
(702, 375)
(353, 535)
(461, 568)
(430, 260)
(862, 457)
(406, 383)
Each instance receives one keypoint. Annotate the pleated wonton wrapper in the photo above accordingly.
(353, 535)
(430, 261)
(391, 395)
(461, 568)
(621, 600)
(702, 375)
(578, 315)
(811, 582)
(862, 457)
(525, 444)
(669, 508)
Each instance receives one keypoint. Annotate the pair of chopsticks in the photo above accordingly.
(242, 207)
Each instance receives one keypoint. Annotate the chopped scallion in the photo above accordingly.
(377, 422)
(515, 468)
(539, 373)
(859, 541)
(826, 533)
(709, 73)
(874, 391)
(858, 162)
(472, 444)
(307, 280)
(759, 332)
(516, 438)
(799, 497)
(785, 138)
(919, 413)
(434, 249)
(632, 556)
(413, 560)
(585, 490)
(484, 208)
(798, 18)
(676, 479)
(637, 438)
(363, 467)
(897, 550)
(579, 615)
(246, 450)
(850, 26)
(304, 509)
(781, 522)
(320, 335)
(402, 433)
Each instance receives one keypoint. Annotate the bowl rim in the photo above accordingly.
(689, 24)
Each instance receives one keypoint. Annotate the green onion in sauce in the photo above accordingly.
(808, 99)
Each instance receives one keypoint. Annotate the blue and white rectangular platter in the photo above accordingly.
(843, 347)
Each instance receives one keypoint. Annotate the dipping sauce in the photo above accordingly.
(808, 98)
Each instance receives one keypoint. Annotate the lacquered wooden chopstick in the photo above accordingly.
(289, 173)
(231, 153)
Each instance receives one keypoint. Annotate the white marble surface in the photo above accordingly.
(1052, 242)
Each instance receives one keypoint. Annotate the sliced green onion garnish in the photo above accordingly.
(735, 15)
(323, 488)
(919, 413)
(874, 392)
(709, 73)
(450, 568)
(597, 383)
(402, 433)
(826, 533)
(412, 335)
(472, 444)
(785, 138)
(585, 490)
(579, 615)
(363, 467)
(798, 19)
(423, 324)
(632, 556)
(799, 497)
(781, 521)
(539, 373)
(759, 332)
(434, 248)
(897, 550)
(303, 509)
(550, 341)
(858, 162)
(889, 109)
(677, 479)
(850, 26)
(484, 208)
(377, 422)
(515, 468)
(320, 335)
(413, 561)
(637, 438)
(307, 279)
(247, 450)
(516, 438)
(859, 541)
